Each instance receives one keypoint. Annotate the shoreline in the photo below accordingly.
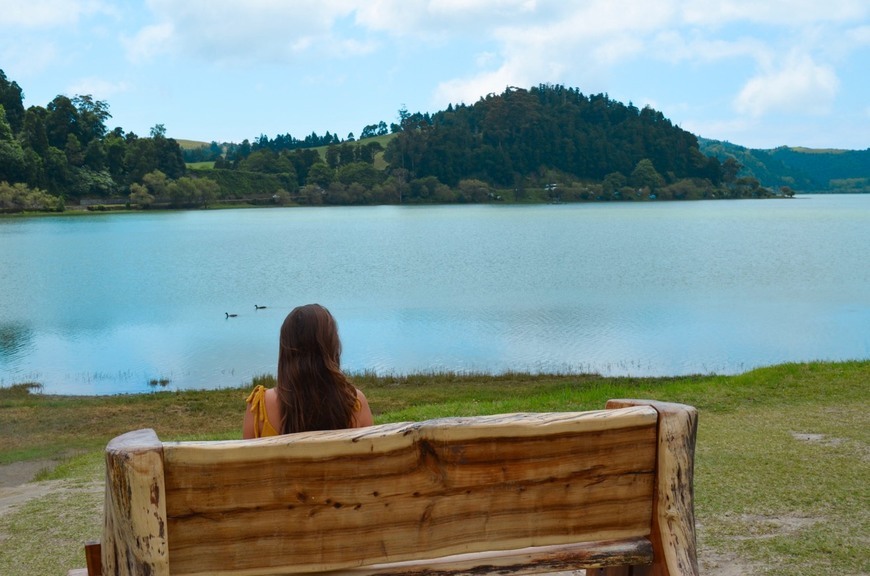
(79, 210)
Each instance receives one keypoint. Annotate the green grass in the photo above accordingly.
(201, 165)
(382, 140)
(782, 460)
(191, 144)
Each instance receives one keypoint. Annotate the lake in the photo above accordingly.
(102, 304)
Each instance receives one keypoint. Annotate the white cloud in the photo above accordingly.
(678, 46)
(252, 31)
(574, 46)
(445, 17)
(470, 90)
(763, 57)
(733, 130)
(800, 85)
(149, 42)
(99, 88)
(48, 13)
(28, 61)
(772, 12)
(859, 36)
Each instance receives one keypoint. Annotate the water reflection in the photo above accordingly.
(106, 304)
(15, 340)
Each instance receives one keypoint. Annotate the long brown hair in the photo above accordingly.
(313, 391)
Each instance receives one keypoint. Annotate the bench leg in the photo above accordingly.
(93, 558)
(620, 571)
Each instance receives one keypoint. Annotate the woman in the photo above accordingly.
(312, 393)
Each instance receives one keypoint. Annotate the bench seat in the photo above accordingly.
(609, 491)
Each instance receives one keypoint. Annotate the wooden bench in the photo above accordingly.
(609, 491)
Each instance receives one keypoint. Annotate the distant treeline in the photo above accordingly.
(548, 143)
(508, 138)
(65, 152)
(802, 169)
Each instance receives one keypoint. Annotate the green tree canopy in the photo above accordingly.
(645, 175)
(12, 163)
(12, 101)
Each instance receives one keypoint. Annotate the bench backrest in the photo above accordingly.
(321, 501)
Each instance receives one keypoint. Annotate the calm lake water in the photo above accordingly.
(102, 304)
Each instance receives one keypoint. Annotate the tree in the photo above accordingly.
(139, 195)
(613, 182)
(730, 168)
(320, 175)
(367, 152)
(346, 154)
(207, 191)
(34, 135)
(12, 101)
(169, 157)
(268, 162)
(645, 175)
(140, 157)
(19, 197)
(313, 194)
(73, 149)
(332, 156)
(747, 187)
(95, 155)
(158, 131)
(360, 172)
(12, 163)
(368, 131)
(115, 147)
(61, 121)
(241, 152)
(34, 169)
(92, 116)
(182, 192)
(57, 170)
(156, 183)
(282, 197)
(473, 190)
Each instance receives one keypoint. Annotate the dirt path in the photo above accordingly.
(18, 473)
(17, 487)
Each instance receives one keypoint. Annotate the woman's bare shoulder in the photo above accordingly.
(363, 416)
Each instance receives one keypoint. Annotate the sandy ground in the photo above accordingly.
(16, 486)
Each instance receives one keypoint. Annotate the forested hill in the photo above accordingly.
(544, 144)
(802, 169)
(506, 138)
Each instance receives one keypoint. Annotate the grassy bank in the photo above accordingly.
(782, 458)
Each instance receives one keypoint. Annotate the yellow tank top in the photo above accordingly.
(262, 426)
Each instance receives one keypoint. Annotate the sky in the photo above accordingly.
(758, 73)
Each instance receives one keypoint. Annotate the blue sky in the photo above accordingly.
(760, 73)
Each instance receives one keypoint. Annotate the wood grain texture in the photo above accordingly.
(93, 558)
(134, 530)
(541, 560)
(673, 531)
(626, 570)
(609, 490)
(326, 501)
